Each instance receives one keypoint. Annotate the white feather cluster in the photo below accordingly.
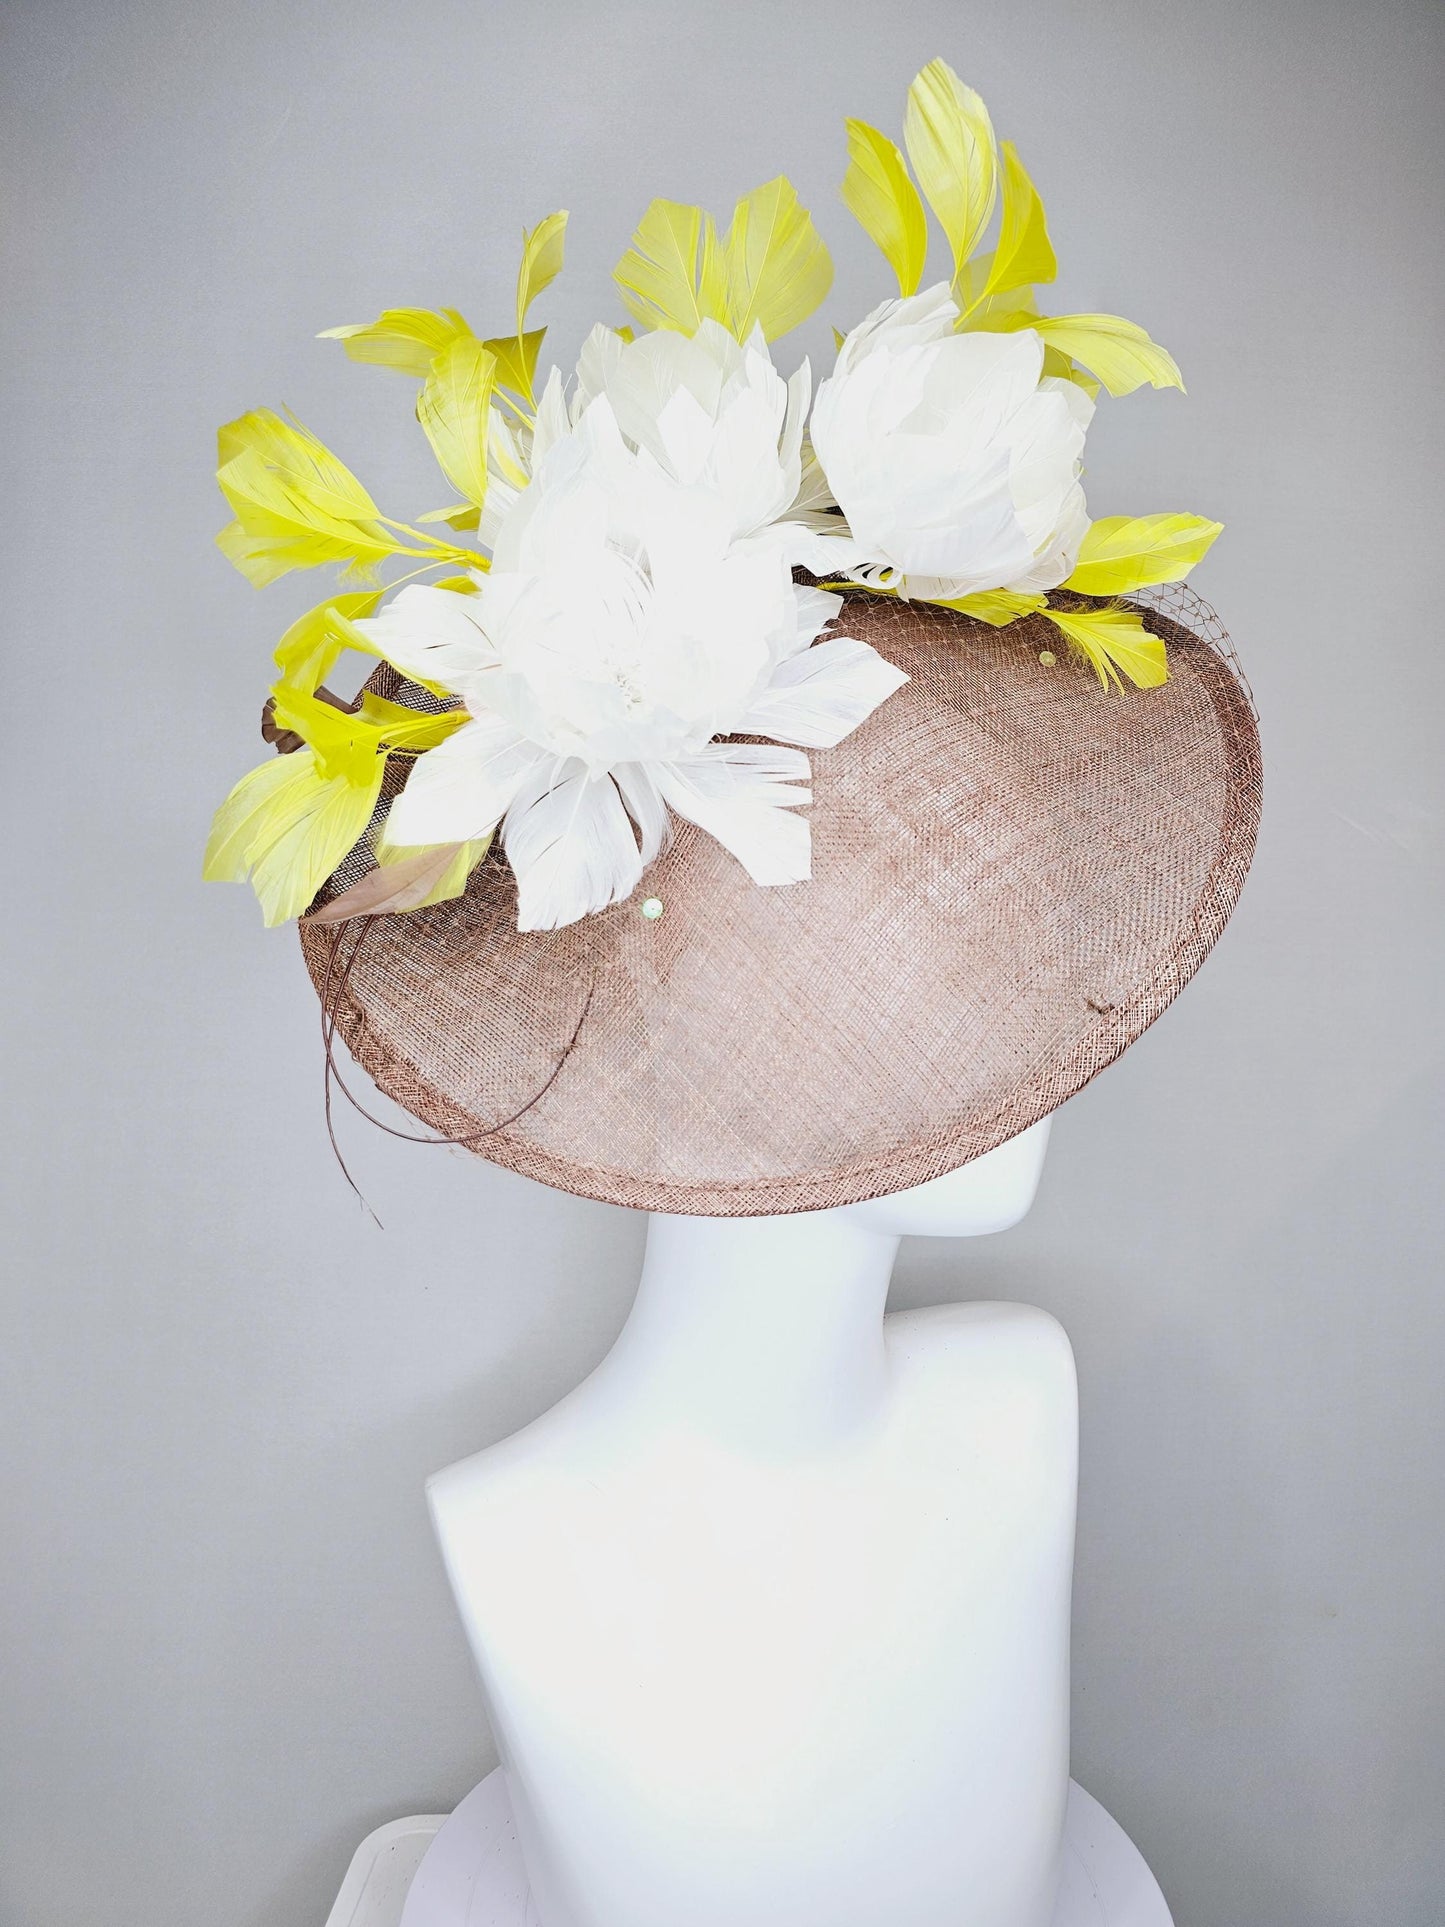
(953, 458)
(641, 604)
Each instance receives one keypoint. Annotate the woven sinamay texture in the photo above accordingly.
(1014, 872)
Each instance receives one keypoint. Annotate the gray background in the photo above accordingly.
(228, 1647)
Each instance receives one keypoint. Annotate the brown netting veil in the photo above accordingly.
(1014, 872)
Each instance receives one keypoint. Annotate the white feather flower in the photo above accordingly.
(953, 458)
(704, 409)
(622, 630)
(708, 410)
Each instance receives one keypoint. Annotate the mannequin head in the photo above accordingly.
(990, 1194)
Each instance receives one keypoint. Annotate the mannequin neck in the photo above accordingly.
(758, 1332)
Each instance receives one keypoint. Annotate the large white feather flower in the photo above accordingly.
(954, 459)
(704, 409)
(623, 628)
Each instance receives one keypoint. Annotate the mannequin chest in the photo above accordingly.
(662, 1583)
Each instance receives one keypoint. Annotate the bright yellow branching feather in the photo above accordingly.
(1024, 256)
(516, 359)
(878, 190)
(408, 339)
(1066, 370)
(1123, 553)
(398, 726)
(771, 271)
(997, 313)
(950, 141)
(260, 799)
(996, 606)
(541, 262)
(672, 275)
(1116, 643)
(777, 268)
(454, 407)
(1117, 351)
(542, 251)
(295, 504)
(288, 827)
(346, 742)
(309, 650)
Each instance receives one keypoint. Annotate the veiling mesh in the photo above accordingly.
(1014, 872)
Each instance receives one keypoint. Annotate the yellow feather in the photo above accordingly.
(999, 607)
(880, 194)
(343, 626)
(308, 651)
(347, 742)
(458, 515)
(541, 262)
(1117, 351)
(1071, 371)
(454, 408)
(295, 504)
(1025, 255)
(256, 800)
(516, 359)
(398, 726)
(290, 450)
(1123, 553)
(995, 313)
(1116, 643)
(950, 141)
(408, 339)
(661, 279)
(777, 268)
(289, 827)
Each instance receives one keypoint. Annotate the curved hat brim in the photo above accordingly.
(1014, 872)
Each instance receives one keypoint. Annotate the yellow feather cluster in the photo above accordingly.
(964, 172)
(770, 270)
(289, 823)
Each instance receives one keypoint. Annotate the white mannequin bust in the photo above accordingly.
(772, 1612)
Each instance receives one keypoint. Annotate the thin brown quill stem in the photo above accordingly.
(333, 991)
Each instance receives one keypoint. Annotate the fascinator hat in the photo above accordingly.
(762, 796)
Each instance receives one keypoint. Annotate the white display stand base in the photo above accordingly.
(466, 1871)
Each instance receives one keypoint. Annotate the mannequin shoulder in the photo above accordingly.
(984, 1428)
(1015, 1349)
(502, 1479)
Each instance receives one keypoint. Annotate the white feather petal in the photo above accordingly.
(951, 455)
(824, 555)
(645, 806)
(745, 795)
(596, 367)
(814, 609)
(460, 789)
(431, 633)
(790, 450)
(570, 844)
(819, 697)
(553, 420)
